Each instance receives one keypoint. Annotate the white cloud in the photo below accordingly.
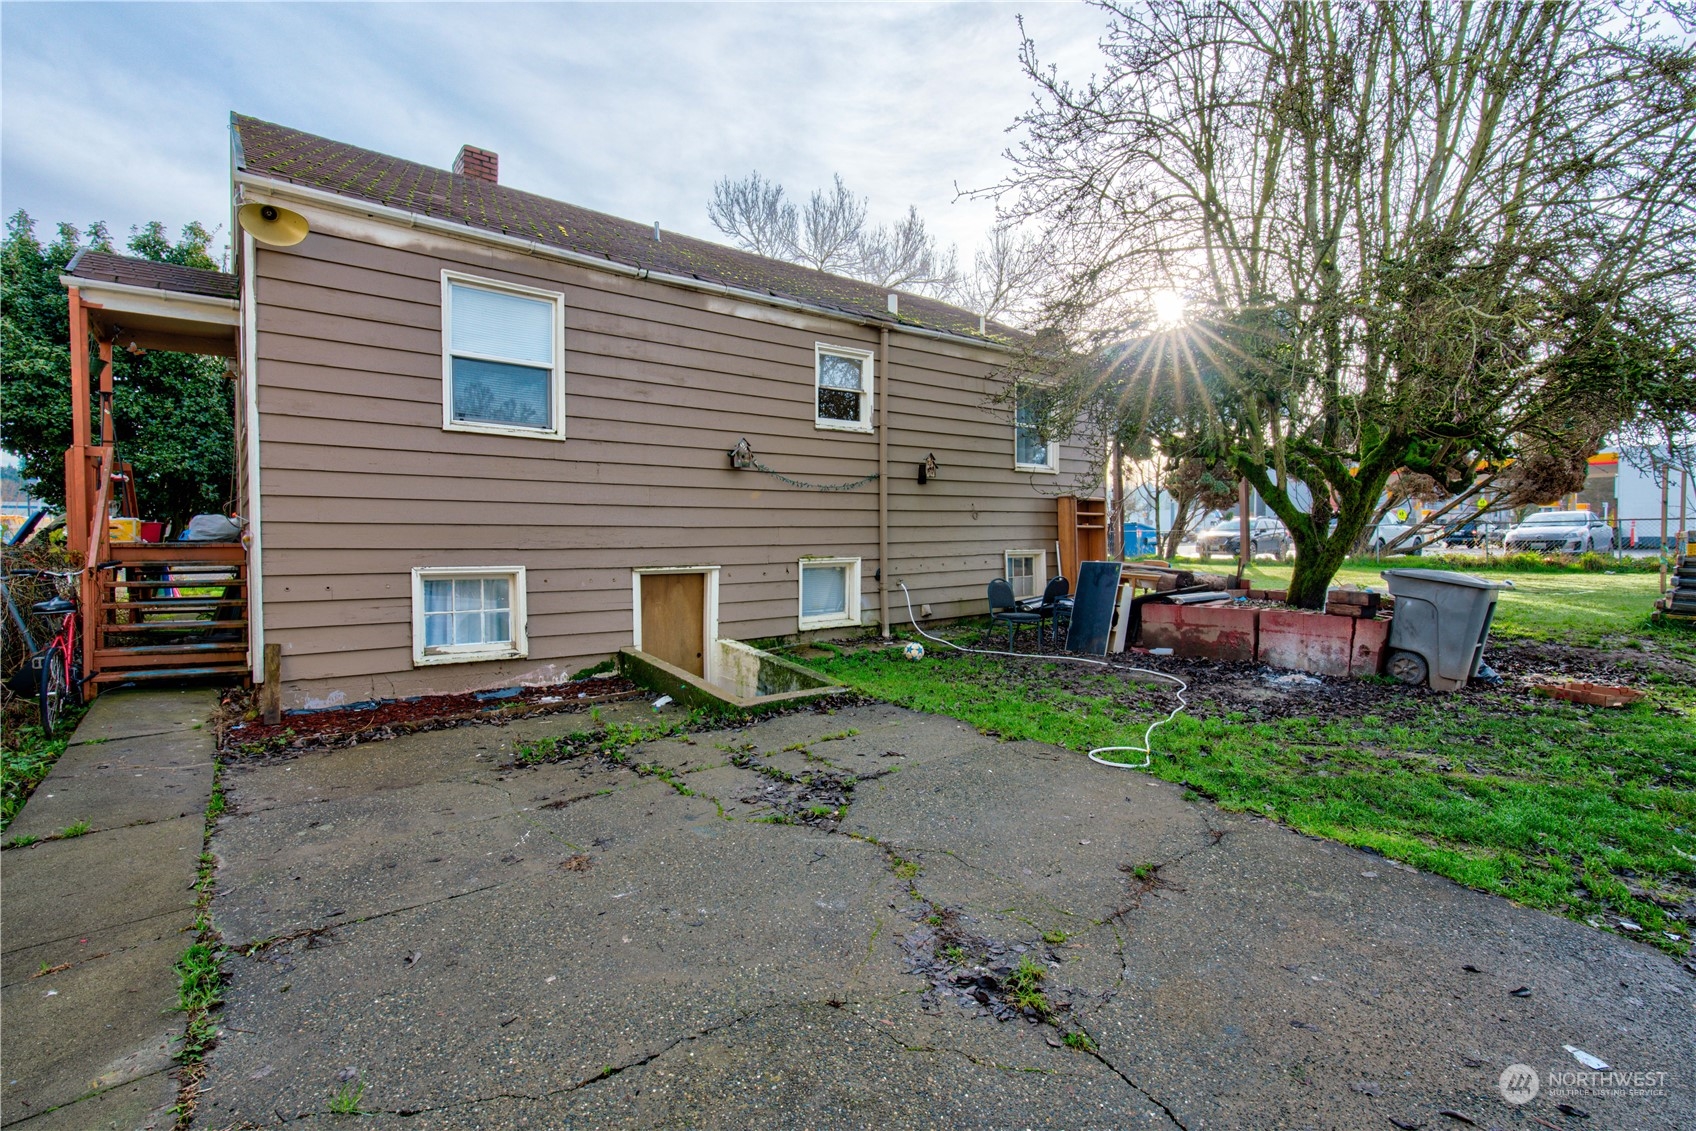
(120, 112)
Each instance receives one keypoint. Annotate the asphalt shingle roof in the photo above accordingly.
(103, 267)
(280, 153)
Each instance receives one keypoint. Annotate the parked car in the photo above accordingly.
(1569, 532)
(1266, 536)
(1389, 529)
(1479, 532)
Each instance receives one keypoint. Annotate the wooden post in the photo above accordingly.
(1245, 544)
(1666, 481)
(1118, 532)
(106, 433)
(271, 691)
(76, 458)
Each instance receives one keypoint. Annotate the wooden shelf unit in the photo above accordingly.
(1083, 534)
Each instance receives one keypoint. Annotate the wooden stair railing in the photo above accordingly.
(168, 610)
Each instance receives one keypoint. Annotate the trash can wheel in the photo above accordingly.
(1408, 667)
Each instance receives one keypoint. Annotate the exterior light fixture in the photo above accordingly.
(927, 469)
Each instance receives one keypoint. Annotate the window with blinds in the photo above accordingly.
(502, 363)
(830, 592)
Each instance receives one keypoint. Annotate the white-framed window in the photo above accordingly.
(842, 380)
(503, 358)
(830, 592)
(1026, 572)
(1030, 451)
(465, 613)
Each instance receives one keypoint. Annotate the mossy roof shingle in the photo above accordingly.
(100, 266)
(285, 154)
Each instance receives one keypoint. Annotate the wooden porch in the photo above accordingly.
(150, 610)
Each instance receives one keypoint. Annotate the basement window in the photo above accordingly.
(830, 592)
(461, 615)
(1025, 570)
(843, 379)
(503, 364)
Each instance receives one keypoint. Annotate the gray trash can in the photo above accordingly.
(1441, 622)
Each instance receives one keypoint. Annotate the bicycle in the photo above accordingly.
(57, 667)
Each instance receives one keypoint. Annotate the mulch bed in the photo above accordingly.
(1260, 693)
(372, 722)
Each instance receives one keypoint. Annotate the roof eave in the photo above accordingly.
(287, 187)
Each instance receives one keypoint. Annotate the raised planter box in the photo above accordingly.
(1213, 632)
(1306, 641)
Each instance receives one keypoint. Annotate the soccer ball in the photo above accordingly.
(913, 650)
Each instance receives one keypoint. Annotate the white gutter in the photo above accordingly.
(337, 202)
(223, 311)
(250, 394)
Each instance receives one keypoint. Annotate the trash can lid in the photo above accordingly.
(1445, 577)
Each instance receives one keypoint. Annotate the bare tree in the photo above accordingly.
(904, 255)
(754, 213)
(1006, 275)
(831, 224)
(1420, 236)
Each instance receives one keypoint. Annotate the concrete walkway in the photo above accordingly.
(90, 1046)
(812, 922)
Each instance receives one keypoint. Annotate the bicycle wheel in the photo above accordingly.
(55, 690)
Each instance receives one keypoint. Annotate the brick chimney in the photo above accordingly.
(479, 163)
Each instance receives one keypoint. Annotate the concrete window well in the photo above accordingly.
(736, 676)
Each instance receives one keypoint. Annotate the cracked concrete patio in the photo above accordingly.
(579, 944)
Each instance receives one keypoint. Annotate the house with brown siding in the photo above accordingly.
(489, 439)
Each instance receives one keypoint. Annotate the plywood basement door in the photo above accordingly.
(674, 607)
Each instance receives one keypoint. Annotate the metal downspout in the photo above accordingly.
(883, 485)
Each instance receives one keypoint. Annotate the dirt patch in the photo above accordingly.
(242, 736)
(1259, 693)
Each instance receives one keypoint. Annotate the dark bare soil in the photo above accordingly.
(372, 722)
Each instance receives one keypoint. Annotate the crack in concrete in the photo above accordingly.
(1140, 1090)
(603, 1075)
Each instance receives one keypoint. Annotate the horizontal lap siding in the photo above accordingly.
(361, 483)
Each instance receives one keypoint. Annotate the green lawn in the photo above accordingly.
(1585, 811)
(1572, 607)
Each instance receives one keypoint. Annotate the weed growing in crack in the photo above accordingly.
(1055, 937)
(849, 733)
(79, 829)
(1142, 872)
(345, 1100)
(955, 954)
(1078, 1039)
(200, 973)
(1024, 987)
(903, 869)
(200, 987)
(22, 841)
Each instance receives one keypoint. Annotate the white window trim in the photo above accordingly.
(1039, 569)
(709, 654)
(469, 653)
(556, 386)
(850, 615)
(1053, 465)
(868, 375)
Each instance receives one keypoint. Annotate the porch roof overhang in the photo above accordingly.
(147, 305)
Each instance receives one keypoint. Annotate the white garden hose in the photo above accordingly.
(1146, 749)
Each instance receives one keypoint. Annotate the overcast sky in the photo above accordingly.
(120, 112)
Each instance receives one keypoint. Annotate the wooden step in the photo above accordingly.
(174, 604)
(173, 626)
(110, 584)
(153, 655)
(129, 674)
(174, 553)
